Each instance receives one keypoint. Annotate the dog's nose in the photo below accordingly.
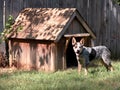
(78, 51)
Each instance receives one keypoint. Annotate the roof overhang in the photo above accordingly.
(77, 35)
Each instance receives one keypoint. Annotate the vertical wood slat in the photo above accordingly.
(117, 28)
(1, 14)
(53, 62)
(10, 53)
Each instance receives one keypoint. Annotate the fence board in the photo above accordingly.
(1, 15)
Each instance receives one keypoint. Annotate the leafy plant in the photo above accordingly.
(116, 2)
(9, 22)
(7, 29)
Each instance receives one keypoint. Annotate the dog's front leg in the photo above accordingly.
(79, 65)
(86, 63)
(86, 70)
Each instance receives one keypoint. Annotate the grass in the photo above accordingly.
(97, 79)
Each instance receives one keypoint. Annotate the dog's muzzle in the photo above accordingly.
(78, 52)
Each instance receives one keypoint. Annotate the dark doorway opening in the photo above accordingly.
(71, 60)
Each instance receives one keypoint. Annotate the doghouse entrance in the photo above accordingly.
(71, 60)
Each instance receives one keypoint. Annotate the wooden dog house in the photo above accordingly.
(41, 38)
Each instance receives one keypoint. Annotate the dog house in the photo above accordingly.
(41, 38)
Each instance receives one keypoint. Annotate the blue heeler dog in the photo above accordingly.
(90, 53)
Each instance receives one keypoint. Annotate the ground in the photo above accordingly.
(7, 70)
(97, 78)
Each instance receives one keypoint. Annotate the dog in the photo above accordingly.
(90, 53)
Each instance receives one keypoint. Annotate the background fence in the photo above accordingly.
(102, 15)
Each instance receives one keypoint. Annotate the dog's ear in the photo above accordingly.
(82, 41)
(73, 41)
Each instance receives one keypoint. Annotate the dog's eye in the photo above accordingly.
(75, 46)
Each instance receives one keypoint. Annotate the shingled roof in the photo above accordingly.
(44, 23)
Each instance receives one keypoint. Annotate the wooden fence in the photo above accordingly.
(102, 15)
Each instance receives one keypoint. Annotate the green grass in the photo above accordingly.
(97, 79)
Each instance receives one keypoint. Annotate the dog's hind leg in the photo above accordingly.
(106, 61)
(108, 66)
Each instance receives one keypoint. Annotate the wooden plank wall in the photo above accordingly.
(1, 15)
(102, 15)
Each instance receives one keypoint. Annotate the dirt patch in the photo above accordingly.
(7, 70)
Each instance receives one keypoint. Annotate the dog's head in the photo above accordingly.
(77, 46)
